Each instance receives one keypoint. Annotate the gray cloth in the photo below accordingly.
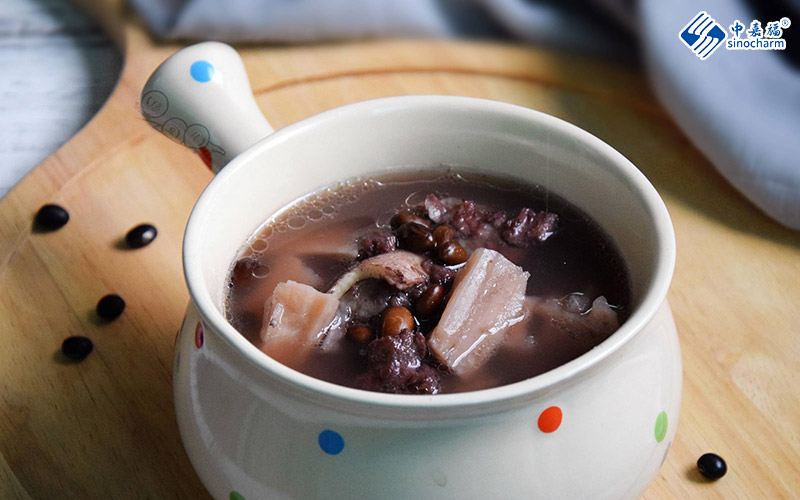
(566, 23)
(740, 108)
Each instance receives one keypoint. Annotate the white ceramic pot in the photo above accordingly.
(598, 427)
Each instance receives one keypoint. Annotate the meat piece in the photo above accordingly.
(529, 228)
(487, 298)
(581, 323)
(299, 313)
(396, 365)
(400, 269)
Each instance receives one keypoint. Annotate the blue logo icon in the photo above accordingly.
(703, 35)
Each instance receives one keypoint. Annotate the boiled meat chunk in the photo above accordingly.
(400, 269)
(487, 298)
(583, 321)
(298, 312)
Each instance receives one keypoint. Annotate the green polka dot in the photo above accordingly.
(235, 495)
(661, 426)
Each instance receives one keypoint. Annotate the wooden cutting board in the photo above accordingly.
(105, 427)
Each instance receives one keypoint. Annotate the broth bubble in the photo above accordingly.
(296, 222)
(260, 271)
(259, 245)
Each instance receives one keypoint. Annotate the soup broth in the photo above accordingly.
(575, 275)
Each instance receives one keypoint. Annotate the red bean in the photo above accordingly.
(430, 301)
(360, 333)
(443, 234)
(395, 320)
(405, 216)
(415, 237)
(451, 253)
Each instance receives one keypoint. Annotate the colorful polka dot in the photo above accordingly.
(331, 442)
(202, 71)
(661, 426)
(235, 495)
(198, 335)
(550, 419)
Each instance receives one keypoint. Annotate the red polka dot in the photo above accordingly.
(205, 155)
(550, 419)
(198, 335)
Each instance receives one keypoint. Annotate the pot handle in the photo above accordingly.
(201, 97)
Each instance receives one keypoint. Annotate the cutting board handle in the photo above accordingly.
(201, 97)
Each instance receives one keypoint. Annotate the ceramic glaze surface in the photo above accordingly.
(597, 427)
(246, 433)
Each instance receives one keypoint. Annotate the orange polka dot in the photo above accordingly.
(550, 419)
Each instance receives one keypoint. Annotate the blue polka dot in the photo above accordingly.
(202, 71)
(331, 442)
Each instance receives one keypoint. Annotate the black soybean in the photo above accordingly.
(141, 235)
(110, 306)
(712, 466)
(51, 217)
(76, 347)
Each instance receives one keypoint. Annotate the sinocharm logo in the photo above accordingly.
(769, 37)
(704, 35)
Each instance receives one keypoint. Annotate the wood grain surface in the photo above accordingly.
(105, 427)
